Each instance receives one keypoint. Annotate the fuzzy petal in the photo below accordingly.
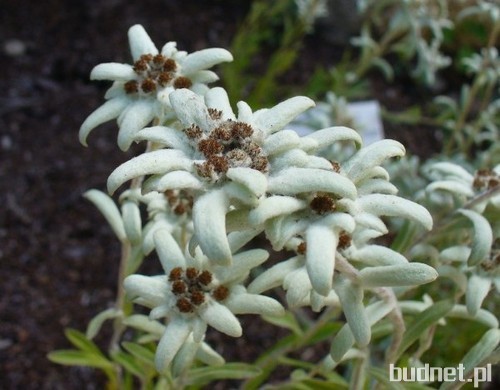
(220, 317)
(132, 221)
(153, 290)
(168, 251)
(190, 108)
(171, 342)
(204, 59)
(217, 98)
(281, 141)
(209, 218)
(276, 118)
(140, 42)
(330, 135)
(134, 118)
(394, 206)
(155, 162)
(254, 304)
(113, 71)
(109, 210)
(272, 207)
(165, 136)
(208, 355)
(108, 111)
(185, 357)
(377, 255)
(298, 287)
(320, 257)
(252, 179)
(242, 264)
(175, 180)
(204, 77)
(370, 156)
(274, 276)
(292, 181)
(411, 274)
(244, 112)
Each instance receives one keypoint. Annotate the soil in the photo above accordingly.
(58, 259)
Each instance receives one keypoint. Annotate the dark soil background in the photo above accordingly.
(58, 258)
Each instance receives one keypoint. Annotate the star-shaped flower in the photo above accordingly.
(194, 293)
(230, 161)
(140, 91)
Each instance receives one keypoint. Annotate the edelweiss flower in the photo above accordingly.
(321, 224)
(140, 91)
(231, 161)
(194, 293)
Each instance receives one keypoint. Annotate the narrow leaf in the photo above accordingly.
(482, 239)
(79, 358)
(129, 363)
(140, 352)
(96, 323)
(422, 322)
(205, 375)
(109, 210)
(81, 341)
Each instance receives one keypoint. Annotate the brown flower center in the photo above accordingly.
(154, 72)
(228, 145)
(191, 288)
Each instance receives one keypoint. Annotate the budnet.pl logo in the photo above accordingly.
(429, 374)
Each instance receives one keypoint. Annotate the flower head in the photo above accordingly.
(140, 91)
(194, 293)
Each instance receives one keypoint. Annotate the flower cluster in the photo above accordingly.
(140, 91)
(213, 180)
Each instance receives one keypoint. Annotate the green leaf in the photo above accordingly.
(422, 322)
(296, 363)
(129, 363)
(324, 332)
(205, 375)
(96, 323)
(382, 377)
(71, 357)
(315, 384)
(287, 321)
(482, 350)
(140, 352)
(80, 341)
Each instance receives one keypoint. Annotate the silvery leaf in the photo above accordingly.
(351, 298)
(209, 219)
(274, 206)
(169, 252)
(155, 162)
(132, 221)
(175, 335)
(109, 210)
(392, 206)
(108, 111)
(410, 274)
(477, 289)
(293, 180)
(482, 239)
